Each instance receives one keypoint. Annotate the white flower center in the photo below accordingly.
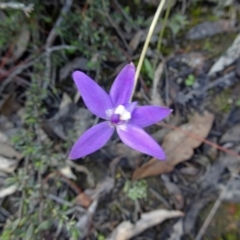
(123, 113)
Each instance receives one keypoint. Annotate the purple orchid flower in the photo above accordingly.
(127, 118)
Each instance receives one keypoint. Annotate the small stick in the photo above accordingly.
(213, 210)
(192, 135)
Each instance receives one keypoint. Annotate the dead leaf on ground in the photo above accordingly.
(76, 63)
(136, 40)
(85, 222)
(9, 105)
(208, 29)
(195, 60)
(156, 98)
(83, 200)
(231, 135)
(9, 152)
(232, 162)
(21, 43)
(101, 189)
(177, 231)
(67, 172)
(174, 191)
(8, 191)
(7, 165)
(66, 100)
(6, 150)
(120, 151)
(67, 118)
(127, 230)
(89, 195)
(178, 146)
(3, 138)
(9, 157)
(82, 169)
(232, 54)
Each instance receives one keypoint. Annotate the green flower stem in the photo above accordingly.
(146, 44)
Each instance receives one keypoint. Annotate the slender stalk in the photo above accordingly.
(146, 44)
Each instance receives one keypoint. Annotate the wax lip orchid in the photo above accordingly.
(117, 111)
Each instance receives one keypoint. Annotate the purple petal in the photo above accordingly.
(121, 90)
(130, 106)
(93, 139)
(136, 138)
(94, 97)
(148, 115)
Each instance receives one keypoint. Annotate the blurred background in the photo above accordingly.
(192, 65)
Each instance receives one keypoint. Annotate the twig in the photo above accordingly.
(19, 6)
(31, 60)
(51, 38)
(61, 47)
(192, 135)
(52, 35)
(60, 200)
(119, 7)
(146, 44)
(17, 71)
(213, 210)
(105, 13)
(68, 181)
(8, 54)
(20, 211)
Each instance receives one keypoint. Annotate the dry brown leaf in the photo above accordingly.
(9, 152)
(76, 63)
(208, 29)
(101, 189)
(82, 169)
(232, 54)
(156, 98)
(66, 100)
(8, 191)
(9, 105)
(3, 138)
(67, 172)
(7, 165)
(83, 200)
(127, 230)
(178, 146)
(136, 40)
(231, 135)
(21, 43)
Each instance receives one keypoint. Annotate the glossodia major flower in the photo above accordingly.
(117, 111)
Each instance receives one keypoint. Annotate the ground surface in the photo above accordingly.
(192, 66)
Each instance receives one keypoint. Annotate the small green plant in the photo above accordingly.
(238, 103)
(136, 190)
(100, 237)
(177, 22)
(148, 67)
(190, 80)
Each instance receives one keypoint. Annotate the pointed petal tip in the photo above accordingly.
(94, 97)
(136, 138)
(132, 64)
(122, 87)
(161, 157)
(75, 74)
(72, 156)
